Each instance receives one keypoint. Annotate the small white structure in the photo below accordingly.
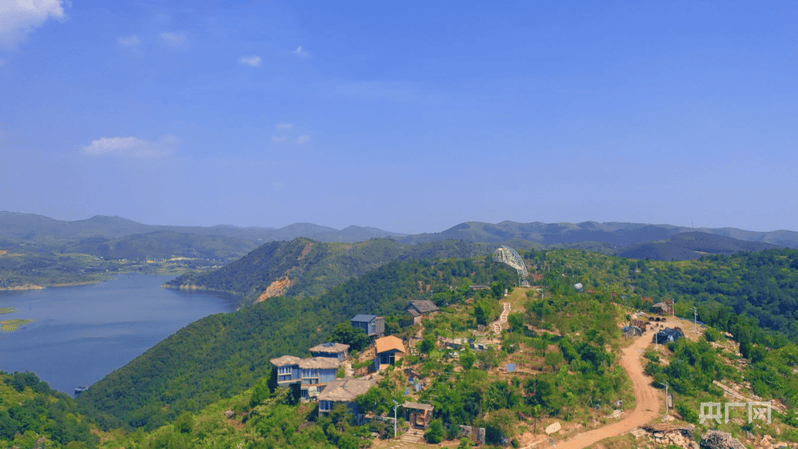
(553, 428)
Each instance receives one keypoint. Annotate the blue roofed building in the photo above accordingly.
(372, 325)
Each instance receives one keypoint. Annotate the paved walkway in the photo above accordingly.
(498, 325)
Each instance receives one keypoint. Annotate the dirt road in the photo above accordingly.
(648, 402)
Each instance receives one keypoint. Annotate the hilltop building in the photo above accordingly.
(313, 374)
(668, 335)
(390, 350)
(372, 325)
(418, 309)
(663, 308)
(338, 351)
(343, 391)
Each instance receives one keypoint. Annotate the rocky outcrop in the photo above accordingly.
(277, 288)
(717, 439)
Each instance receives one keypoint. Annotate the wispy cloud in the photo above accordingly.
(286, 133)
(276, 185)
(174, 40)
(131, 146)
(19, 18)
(253, 60)
(301, 53)
(129, 41)
(2, 62)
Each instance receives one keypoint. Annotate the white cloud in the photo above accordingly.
(175, 40)
(280, 139)
(301, 53)
(20, 17)
(283, 126)
(276, 185)
(253, 60)
(131, 146)
(2, 62)
(130, 41)
(302, 139)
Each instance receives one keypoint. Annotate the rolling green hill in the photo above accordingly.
(34, 415)
(161, 245)
(690, 246)
(222, 354)
(307, 267)
(617, 234)
(34, 228)
(21, 228)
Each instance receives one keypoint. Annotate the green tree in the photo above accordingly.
(434, 433)
(348, 335)
(467, 359)
(261, 392)
(185, 423)
(427, 344)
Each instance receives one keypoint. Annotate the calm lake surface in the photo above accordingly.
(81, 334)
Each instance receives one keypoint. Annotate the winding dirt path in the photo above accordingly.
(648, 402)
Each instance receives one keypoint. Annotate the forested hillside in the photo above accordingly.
(690, 246)
(34, 415)
(307, 267)
(565, 343)
(762, 286)
(612, 233)
(163, 245)
(220, 355)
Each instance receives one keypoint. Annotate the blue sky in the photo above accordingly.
(406, 116)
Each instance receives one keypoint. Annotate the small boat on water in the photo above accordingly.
(80, 389)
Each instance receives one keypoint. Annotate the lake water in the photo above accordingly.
(81, 334)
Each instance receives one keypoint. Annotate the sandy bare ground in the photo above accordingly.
(648, 402)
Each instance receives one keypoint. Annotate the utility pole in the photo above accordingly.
(666, 396)
(394, 417)
(695, 319)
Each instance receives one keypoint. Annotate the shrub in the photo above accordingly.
(434, 434)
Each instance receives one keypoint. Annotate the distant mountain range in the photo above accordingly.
(616, 234)
(29, 226)
(637, 240)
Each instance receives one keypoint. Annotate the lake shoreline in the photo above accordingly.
(80, 335)
(26, 287)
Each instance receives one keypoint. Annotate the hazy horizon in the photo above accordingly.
(409, 118)
(393, 231)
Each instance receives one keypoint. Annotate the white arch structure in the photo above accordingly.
(509, 256)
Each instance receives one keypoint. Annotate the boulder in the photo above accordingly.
(552, 428)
